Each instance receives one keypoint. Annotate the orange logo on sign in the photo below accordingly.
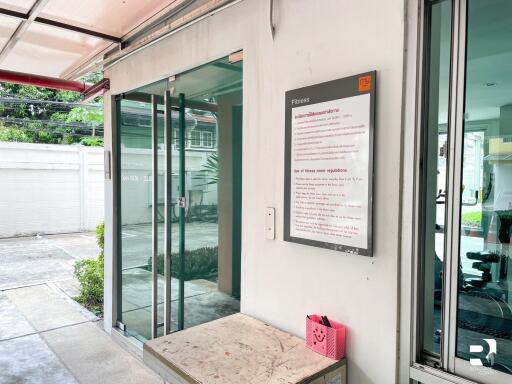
(365, 83)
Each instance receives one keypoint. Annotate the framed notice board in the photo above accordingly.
(329, 164)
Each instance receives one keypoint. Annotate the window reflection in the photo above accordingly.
(484, 289)
(434, 170)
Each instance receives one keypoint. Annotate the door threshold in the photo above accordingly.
(127, 342)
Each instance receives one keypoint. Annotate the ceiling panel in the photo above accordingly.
(55, 51)
(17, 5)
(50, 51)
(7, 27)
(114, 17)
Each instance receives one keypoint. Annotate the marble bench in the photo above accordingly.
(239, 349)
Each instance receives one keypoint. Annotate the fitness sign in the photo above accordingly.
(329, 164)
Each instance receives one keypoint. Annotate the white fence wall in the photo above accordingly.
(48, 188)
(136, 182)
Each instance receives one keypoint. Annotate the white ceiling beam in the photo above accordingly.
(22, 28)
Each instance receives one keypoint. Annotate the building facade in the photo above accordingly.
(435, 298)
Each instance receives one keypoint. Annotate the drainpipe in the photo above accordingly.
(88, 91)
(42, 81)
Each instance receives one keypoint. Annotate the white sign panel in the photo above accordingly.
(328, 168)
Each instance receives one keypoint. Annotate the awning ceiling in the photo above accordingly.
(58, 38)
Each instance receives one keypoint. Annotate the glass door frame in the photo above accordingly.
(170, 104)
(448, 368)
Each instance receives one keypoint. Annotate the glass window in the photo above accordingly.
(195, 138)
(145, 121)
(176, 138)
(434, 171)
(129, 120)
(207, 139)
(484, 324)
(136, 175)
(205, 232)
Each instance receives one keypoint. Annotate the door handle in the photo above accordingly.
(182, 202)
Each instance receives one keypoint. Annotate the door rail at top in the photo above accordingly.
(175, 102)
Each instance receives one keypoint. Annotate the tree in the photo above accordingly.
(41, 114)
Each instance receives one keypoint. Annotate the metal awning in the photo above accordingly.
(68, 38)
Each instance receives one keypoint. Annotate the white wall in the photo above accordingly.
(49, 188)
(136, 182)
(315, 41)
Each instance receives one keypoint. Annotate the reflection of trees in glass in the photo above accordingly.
(210, 170)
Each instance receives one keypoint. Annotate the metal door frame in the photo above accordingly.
(170, 104)
(452, 369)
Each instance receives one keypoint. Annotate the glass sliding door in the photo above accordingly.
(484, 291)
(212, 99)
(180, 199)
(136, 216)
(465, 298)
(434, 190)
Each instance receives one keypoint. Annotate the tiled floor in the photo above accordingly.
(203, 303)
(46, 337)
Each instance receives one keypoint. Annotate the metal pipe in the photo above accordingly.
(168, 213)
(154, 214)
(183, 202)
(117, 244)
(95, 89)
(42, 81)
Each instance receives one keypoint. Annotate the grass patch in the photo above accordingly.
(472, 219)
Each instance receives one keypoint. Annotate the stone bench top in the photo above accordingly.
(238, 349)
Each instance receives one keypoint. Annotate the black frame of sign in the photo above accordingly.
(318, 93)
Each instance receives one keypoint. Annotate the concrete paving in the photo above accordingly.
(45, 336)
(39, 259)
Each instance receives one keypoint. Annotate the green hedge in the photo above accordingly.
(90, 275)
(201, 263)
(472, 219)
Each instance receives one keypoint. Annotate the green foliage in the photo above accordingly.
(85, 115)
(67, 139)
(68, 96)
(14, 134)
(100, 235)
(44, 136)
(31, 92)
(59, 116)
(201, 263)
(92, 141)
(92, 77)
(37, 107)
(90, 275)
(210, 170)
(35, 134)
(472, 219)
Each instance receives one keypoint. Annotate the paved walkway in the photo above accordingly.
(41, 259)
(45, 336)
